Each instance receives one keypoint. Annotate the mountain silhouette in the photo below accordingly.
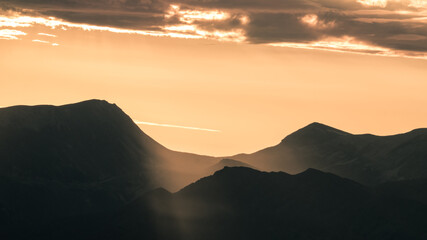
(62, 162)
(226, 162)
(243, 203)
(365, 158)
(70, 160)
(87, 171)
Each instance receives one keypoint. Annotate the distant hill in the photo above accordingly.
(226, 162)
(243, 203)
(364, 158)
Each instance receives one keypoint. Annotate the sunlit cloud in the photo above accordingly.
(180, 31)
(181, 28)
(377, 3)
(46, 34)
(11, 34)
(43, 41)
(175, 126)
(236, 35)
(349, 44)
(312, 20)
(188, 19)
(40, 41)
(384, 3)
(189, 16)
(418, 3)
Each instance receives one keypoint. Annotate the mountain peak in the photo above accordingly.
(315, 173)
(314, 132)
(316, 126)
(94, 102)
(311, 171)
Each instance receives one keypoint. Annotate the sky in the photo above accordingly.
(223, 77)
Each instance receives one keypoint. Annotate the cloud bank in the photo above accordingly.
(383, 27)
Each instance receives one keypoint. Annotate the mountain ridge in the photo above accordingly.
(366, 158)
(313, 146)
(243, 203)
(78, 166)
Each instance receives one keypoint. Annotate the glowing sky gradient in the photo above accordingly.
(223, 77)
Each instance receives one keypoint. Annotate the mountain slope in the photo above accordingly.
(60, 162)
(242, 203)
(70, 160)
(414, 189)
(88, 141)
(365, 158)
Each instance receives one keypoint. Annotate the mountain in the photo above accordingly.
(70, 160)
(226, 162)
(243, 203)
(365, 158)
(62, 162)
(86, 171)
(414, 189)
(46, 140)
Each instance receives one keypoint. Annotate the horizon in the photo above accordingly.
(141, 125)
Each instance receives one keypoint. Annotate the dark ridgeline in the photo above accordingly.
(86, 171)
(242, 203)
(226, 162)
(365, 158)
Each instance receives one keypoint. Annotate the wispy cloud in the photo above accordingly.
(176, 126)
(11, 34)
(350, 44)
(46, 34)
(40, 41)
(46, 42)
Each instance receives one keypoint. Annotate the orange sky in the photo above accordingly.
(253, 94)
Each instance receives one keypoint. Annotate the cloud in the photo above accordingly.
(46, 34)
(10, 34)
(398, 27)
(45, 42)
(40, 41)
(176, 126)
(28, 21)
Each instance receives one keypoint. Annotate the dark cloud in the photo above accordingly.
(254, 4)
(113, 19)
(270, 21)
(279, 27)
(141, 14)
